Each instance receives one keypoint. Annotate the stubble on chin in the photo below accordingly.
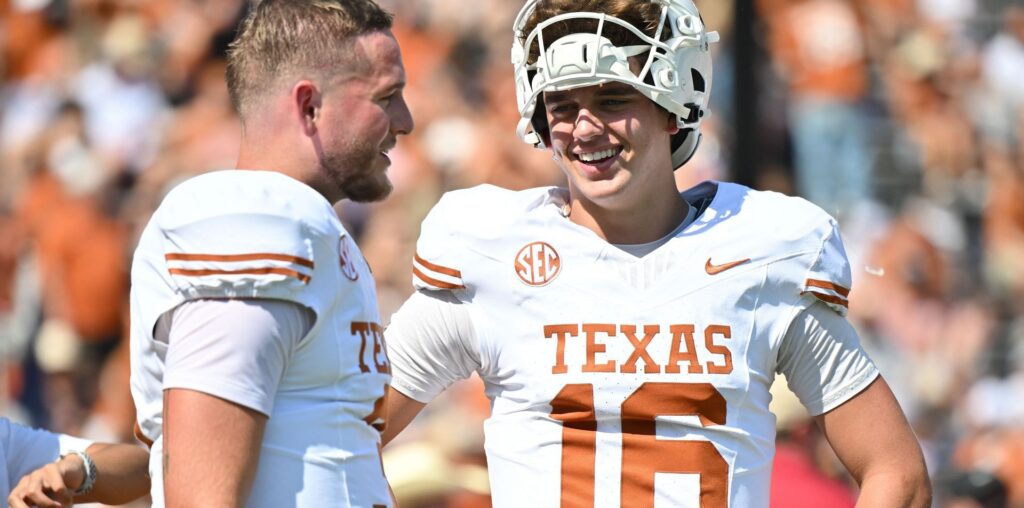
(367, 188)
(357, 179)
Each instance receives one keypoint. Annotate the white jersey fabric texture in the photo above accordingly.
(619, 381)
(233, 349)
(245, 236)
(24, 449)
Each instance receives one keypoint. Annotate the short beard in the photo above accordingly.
(367, 189)
(353, 176)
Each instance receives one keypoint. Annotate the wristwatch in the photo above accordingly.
(90, 472)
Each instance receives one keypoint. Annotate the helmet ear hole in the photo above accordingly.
(698, 80)
(684, 144)
(679, 138)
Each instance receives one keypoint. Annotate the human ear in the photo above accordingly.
(308, 101)
(673, 126)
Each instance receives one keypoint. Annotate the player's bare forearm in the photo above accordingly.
(895, 488)
(401, 411)
(122, 474)
(872, 438)
(211, 449)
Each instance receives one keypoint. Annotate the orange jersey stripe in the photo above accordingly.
(824, 284)
(828, 298)
(252, 271)
(434, 282)
(239, 257)
(438, 268)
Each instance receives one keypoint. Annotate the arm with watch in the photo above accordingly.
(106, 473)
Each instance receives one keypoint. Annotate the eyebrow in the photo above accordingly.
(550, 97)
(604, 90)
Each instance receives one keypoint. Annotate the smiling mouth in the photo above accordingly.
(599, 156)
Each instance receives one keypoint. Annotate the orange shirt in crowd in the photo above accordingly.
(820, 46)
(82, 258)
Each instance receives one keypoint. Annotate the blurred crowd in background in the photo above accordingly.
(903, 118)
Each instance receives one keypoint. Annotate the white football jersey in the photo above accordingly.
(263, 235)
(619, 381)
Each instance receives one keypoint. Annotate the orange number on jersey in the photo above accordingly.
(643, 454)
(378, 418)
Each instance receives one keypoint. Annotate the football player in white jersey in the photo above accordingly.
(258, 367)
(627, 334)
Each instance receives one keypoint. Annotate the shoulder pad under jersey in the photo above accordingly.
(245, 234)
(811, 258)
(452, 233)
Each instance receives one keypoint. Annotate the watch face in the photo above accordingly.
(89, 472)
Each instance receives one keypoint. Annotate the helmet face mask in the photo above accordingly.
(672, 67)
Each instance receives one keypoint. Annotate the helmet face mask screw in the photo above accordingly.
(668, 78)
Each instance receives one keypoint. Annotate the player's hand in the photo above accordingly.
(48, 486)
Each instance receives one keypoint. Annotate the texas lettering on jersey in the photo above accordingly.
(592, 337)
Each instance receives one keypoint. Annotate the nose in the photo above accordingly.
(587, 126)
(401, 117)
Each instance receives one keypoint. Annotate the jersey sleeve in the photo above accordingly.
(438, 262)
(828, 277)
(431, 343)
(245, 235)
(239, 255)
(236, 350)
(823, 361)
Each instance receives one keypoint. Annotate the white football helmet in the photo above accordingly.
(676, 73)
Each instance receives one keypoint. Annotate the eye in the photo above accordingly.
(386, 100)
(614, 101)
(560, 108)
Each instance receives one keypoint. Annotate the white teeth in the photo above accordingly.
(603, 154)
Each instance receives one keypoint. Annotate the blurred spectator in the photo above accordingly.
(1003, 60)
(975, 489)
(819, 51)
(798, 474)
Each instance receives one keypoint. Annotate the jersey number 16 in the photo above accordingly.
(643, 454)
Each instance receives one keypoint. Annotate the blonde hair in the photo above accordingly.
(280, 38)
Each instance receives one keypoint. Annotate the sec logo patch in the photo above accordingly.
(537, 264)
(348, 268)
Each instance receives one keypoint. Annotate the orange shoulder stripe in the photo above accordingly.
(437, 268)
(251, 271)
(824, 284)
(180, 256)
(829, 298)
(434, 282)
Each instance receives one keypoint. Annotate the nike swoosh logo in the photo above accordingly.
(717, 269)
